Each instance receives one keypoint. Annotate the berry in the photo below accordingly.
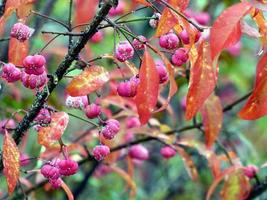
(8, 123)
(33, 81)
(132, 122)
(92, 111)
(34, 64)
(250, 171)
(127, 89)
(50, 171)
(111, 128)
(202, 18)
(118, 10)
(10, 73)
(169, 41)
(21, 32)
(184, 36)
(100, 152)
(235, 49)
(139, 43)
(43, 117)
(68, 167)
(154, 22)
(139, 152)
(167, 152)
(79, 102)
(162, 71)
(102, 170)
(56, 183)
(24, 159)
(97, 37)
(180, 56)
(124, 51)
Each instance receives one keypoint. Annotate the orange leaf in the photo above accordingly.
(261, 70)
(212, 114)
(259, 19)
(144, 2)
(166, 23)
(148, 89)
(179, 4)
(202, 82)
(17, 51)
(226, 30)
(24, 9)
(49, 134)
(11, 162)
(90, 80)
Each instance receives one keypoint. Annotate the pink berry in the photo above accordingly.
(10, 73)
(180, 56)
(56, 183)
(169, 41)
(97, 37)
(68, 167)
(139, 152)
(250, 171)
(43, 117)
(167, 152)
(21, 32)
(124, 51)
(118, 10)
(127, 89)
(34, 64)
(33, 81)
(92, 111)
(8, 123)
(79, 102)
(24, 159)
(235, 49)
(111, 128)
(132, 122)
(202, 18)
(129, 136)
(50, 171)
(100, 152)
(183, 103)
(139, 43)
(154, 22)
(184, 36)
(162, 71)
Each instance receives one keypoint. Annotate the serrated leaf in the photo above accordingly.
(11, 162)
(148, 88)
(90, 80)
(226, 30)
(17, 51)
(212, 114)
(203, 77)
(48, 135)
(166, 23)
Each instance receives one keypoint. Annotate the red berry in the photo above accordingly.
(43, 117)
(118, 10)
(34, 64)
(111, 128)
(33, 81)
(169, 41)
(139, 152)
(124, 51)
(162, 71)
(139, 43)
(56, 183)
(50, 171)
(68, 167)
(97, 37)
(132, 122)
(180, 56)
(10, 73)
(92, 111)
(21, 32)
(250, 171)
(184, 36)
(167, 152)
(202, 18)
(100, 152)
(79, 102)
(235, 49)
(127, 89)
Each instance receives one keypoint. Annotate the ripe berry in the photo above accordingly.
(118, 10)
(92, 111)
(202, 18)
(43, 117)
(154, 22)
(235, 49)
(127, 89)
(33, 81)
(184, 36)
(180, 56)
(250, 171)
(50, 171)
(10, 73)
(111, 128)
(34, 64)
(139, 152)
(132, 122)
(8, 123)
(21, 32)
(167, 152)
(169, 41)
(124, 51)
(162, 71)
(68, 167)
(100, 152)
(139, 43)
(56, 183)
(24, 159)
(79, 102)
(97, 37)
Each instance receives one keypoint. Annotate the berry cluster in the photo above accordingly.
(21, 32)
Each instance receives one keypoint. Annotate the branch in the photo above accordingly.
(41, 97)
(2, 8)
(257, 190)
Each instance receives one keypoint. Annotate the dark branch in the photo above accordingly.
(2, 8)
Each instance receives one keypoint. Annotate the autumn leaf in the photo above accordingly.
(226, 30)
(49, 134)
(179, 4)
(144, 2)
(17, 51)
(260, 21)
(90, 80)
(24, 8)
(148, 88)
(202, 81)
(3, 19)
(212, 114)
(11, 162)
(166, 23)
(261, 70)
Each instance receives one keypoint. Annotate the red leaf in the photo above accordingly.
(90, 80)
(202, 82)
(148, 89)
(11, 162)
(144, 2)
(17, 51)
(24, 9)
(212, 114)
(261, 70)
(226, 30)
(166, 23)
(49, 134)
(179, 4)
